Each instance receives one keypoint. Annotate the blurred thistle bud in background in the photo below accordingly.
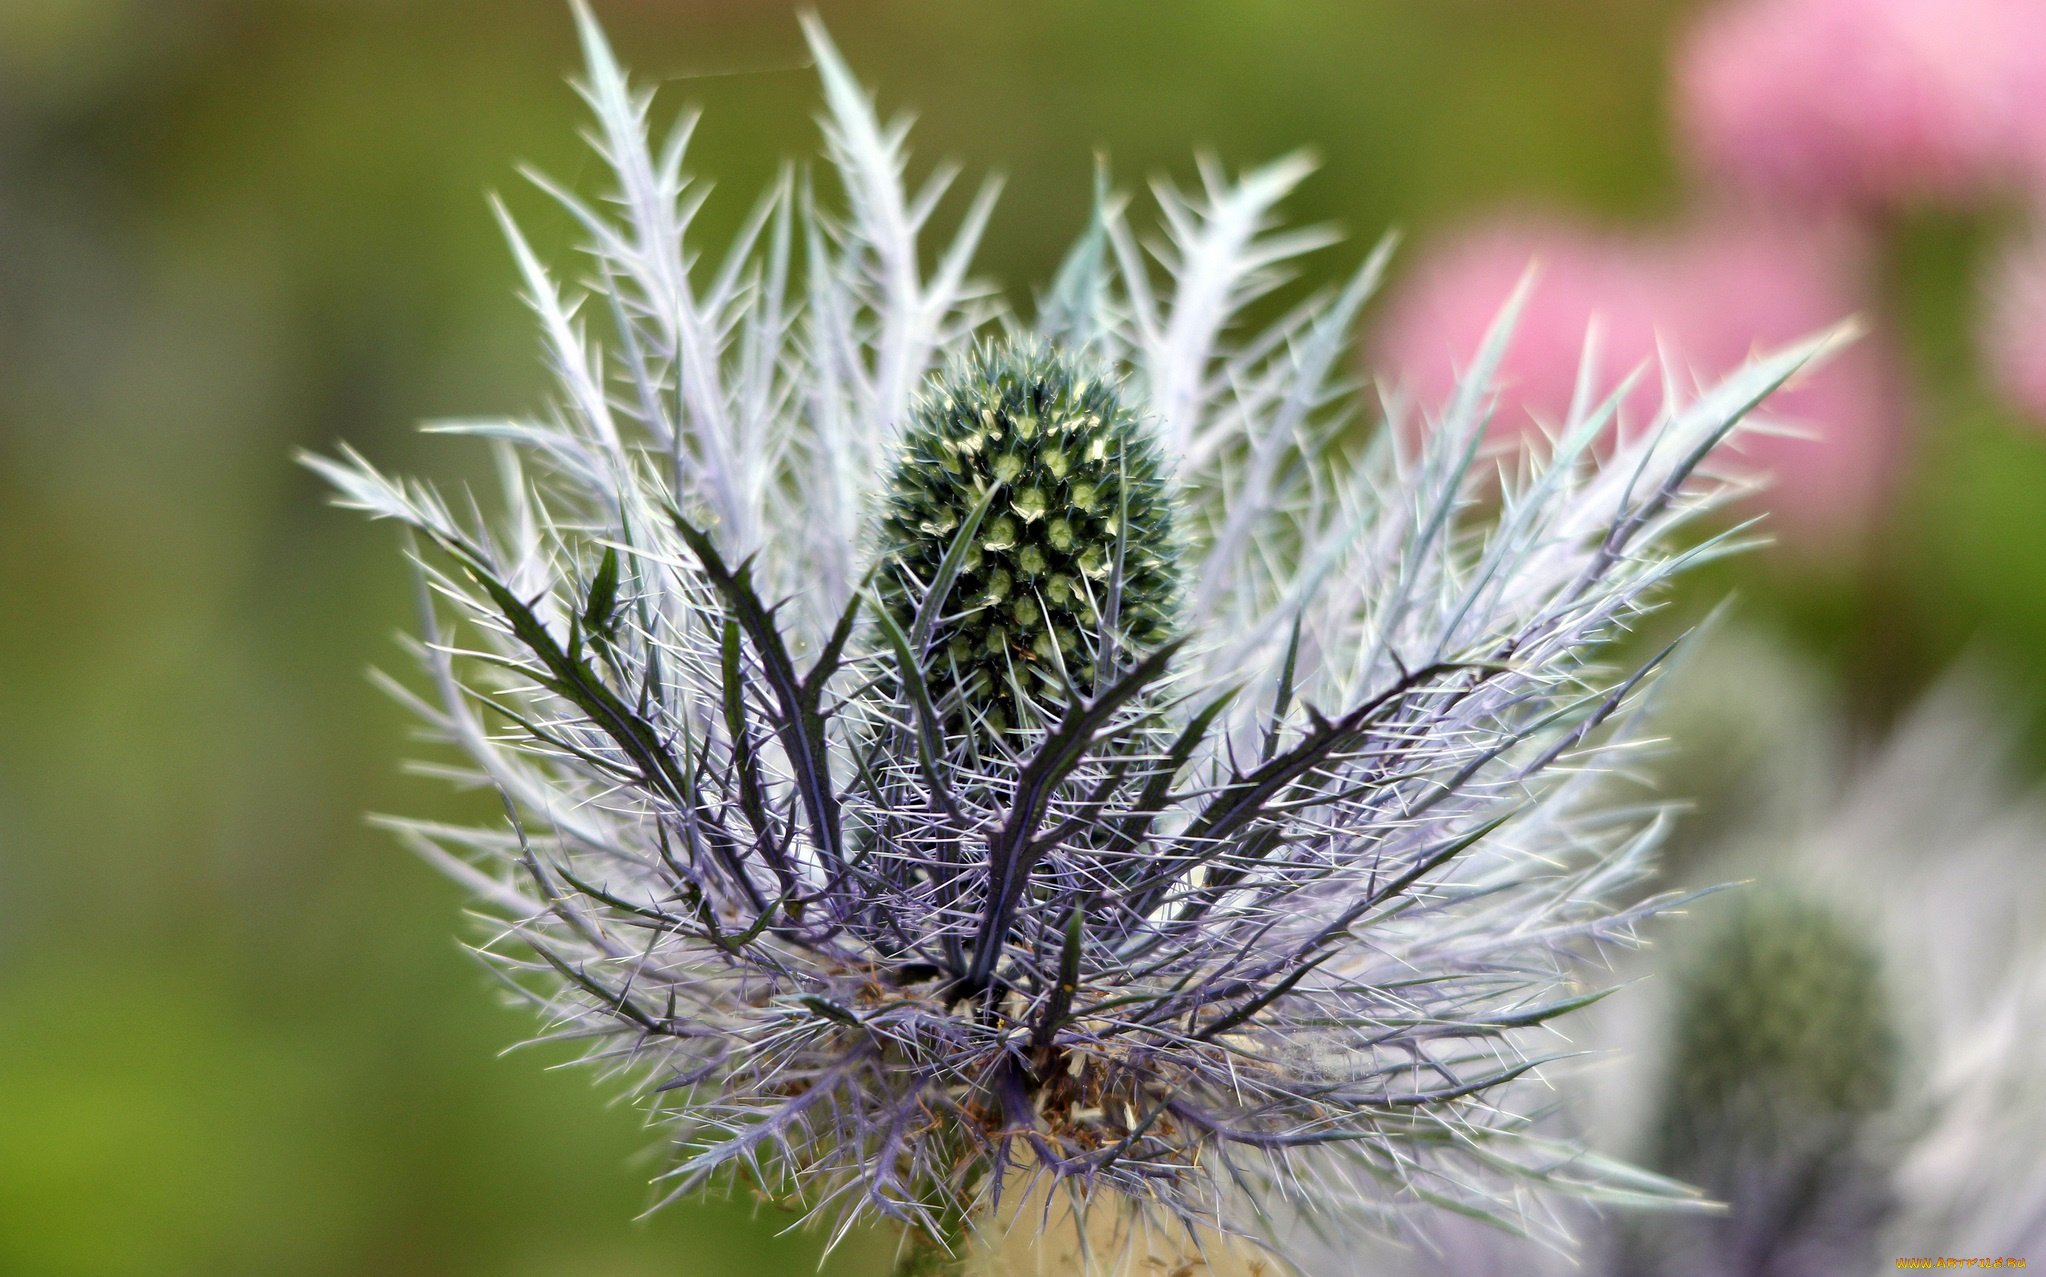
(955, 759)
(1782, 1056)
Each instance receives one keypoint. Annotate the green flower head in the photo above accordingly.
(1074, 551)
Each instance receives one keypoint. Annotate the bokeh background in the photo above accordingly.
(237, 1034)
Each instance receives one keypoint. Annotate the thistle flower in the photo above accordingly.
(1867, 104)
(2012, 310)
(1705, 295)
(1244, 896)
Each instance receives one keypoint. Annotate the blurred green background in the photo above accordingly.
(237, 1034)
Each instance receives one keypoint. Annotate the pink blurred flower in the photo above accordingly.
(1706, 299)
(1866, 102)
(2013, 331)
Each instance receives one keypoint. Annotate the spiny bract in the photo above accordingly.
(1253, 930)
(1070, 544)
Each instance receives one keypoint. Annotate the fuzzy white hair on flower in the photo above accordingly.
(949, 754)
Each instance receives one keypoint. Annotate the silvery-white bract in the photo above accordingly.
(1256, 924)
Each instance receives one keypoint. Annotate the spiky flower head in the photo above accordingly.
(1058, 499)
(1261, 923)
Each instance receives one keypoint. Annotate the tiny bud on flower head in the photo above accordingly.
(1079, 536)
